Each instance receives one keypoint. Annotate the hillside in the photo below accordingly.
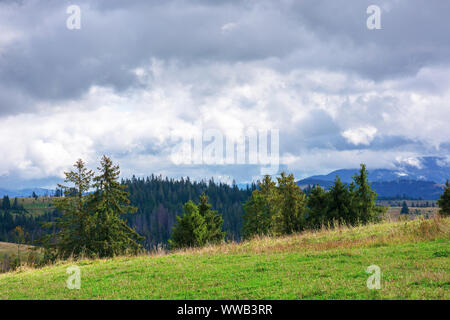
(395, 189)
(435, 169)
(328, 264)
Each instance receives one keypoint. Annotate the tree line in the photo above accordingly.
(95, 206)
(283, 208)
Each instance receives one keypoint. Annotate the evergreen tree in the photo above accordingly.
(444, 201)
(405, 209)
(340, 204)
(260, 209)
(317, 203)
(111, 235)
(290, 203)
(6, 204)
(91, 223)
(74, 227)
(214, 221)
(365, 206)
(191, 228)
(16, 205)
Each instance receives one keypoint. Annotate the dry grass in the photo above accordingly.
(338, 238)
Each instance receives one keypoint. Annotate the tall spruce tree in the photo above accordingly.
(6, 204)
(111, 234)
(317, 203)
(444, 201)
(291, 204)
(260, 209)
(364, 197)
(73, 228)
(339, 200)
(91, 224)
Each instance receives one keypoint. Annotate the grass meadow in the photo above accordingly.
(327, 264)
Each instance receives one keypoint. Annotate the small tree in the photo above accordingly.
(444, 201)
(6, 204)
(190, 229)
(213, 220)
(405, 209)
(19, 236)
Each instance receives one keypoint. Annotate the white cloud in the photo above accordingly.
(362, 135)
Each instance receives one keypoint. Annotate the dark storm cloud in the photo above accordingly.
(48, 62)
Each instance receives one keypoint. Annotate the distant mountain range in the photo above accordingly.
(25, 192)
(411, 178)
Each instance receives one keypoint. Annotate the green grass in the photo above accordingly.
(329, 264)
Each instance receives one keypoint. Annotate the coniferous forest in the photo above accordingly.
(159, 200)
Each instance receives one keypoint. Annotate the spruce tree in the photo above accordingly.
(214, 221)
(290, 202)
(260, 209)
(6, 204)
(340, 205)
(405, 209)
(444, 201)
(190, 229)
(364, 199)
(111, 235)
(317, 203)
(73, 235)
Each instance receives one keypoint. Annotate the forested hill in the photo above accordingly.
(159, 200)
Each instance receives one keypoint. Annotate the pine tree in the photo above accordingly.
(214, 221)
(16, 205)
(6, 204)
(364, 199)
(74, 227)
(191, 228)
(444, 201)
(260, 209)
(405, 209)
(111, 235)
(91, 223)
(317, 203)
(290, 203)
(340, 205)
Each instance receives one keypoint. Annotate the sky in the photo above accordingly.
(138, 77)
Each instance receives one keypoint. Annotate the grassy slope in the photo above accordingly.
(413, 257)
(7, 248)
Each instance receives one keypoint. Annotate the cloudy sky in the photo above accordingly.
(139, 74)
